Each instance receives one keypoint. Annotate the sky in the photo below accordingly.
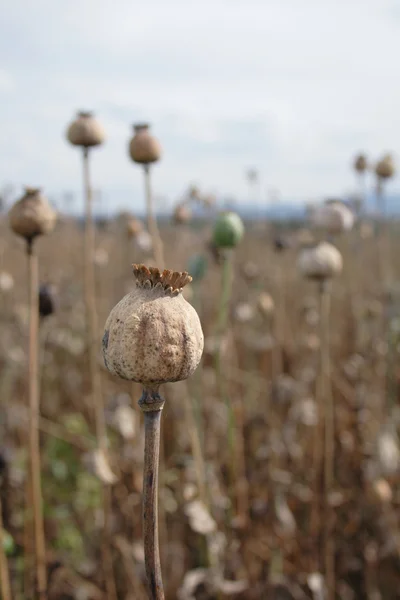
(293, 88)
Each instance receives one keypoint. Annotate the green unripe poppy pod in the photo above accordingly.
(228, 230)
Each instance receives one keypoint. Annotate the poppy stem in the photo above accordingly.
(34, 442)
(152, 221)
(91, 309)
(151, 404)
(96, 390)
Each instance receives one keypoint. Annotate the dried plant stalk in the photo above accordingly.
(34, 442)
(91, 310)
(5, 587)
(95, 375)
(152, 221)
(165, 345)
(151, 404)
(279, 321)
(323, 450)
(106, 545)
(329, 414)
(242, 484)
(384, 278)
(382, 237)
(197, 451)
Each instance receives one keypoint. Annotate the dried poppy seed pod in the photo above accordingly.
(32, 215)
(182, 214)
(133, 227)
(334, 216)
(228, 230)
(46, 300)
(385, 168)
(360, 163)
(144, 148)
(250, 271)
(153, 335)
(85, 131)
(208, 201)
(194, 193)
(266, 304)
(320, 262)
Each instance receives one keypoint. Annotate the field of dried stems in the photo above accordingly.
(244, 509)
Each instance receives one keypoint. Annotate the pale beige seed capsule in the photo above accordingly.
(381, 491)
(144, 148)
(320, 262)
(32, 215)
(133, 227)
(182, 214)
(360, 163)
(334, 216)
(194, 193)
(153, 335)
(385, 168)
(265, 304)
(85, 131)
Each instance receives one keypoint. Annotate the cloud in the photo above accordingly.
(6, 82)
(294, 88)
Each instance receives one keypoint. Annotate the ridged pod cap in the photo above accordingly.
(32, 215)
(360, 163)
(153, 335)
(334, 216)
(228, 230)
(144, 148)
(320, 262)
(85, 131)
(385, 168)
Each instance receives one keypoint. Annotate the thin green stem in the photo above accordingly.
(222, 323)
(4, 572)
(197, 377)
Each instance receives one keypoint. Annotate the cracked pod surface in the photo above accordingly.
(153, 335)
(32, 215)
